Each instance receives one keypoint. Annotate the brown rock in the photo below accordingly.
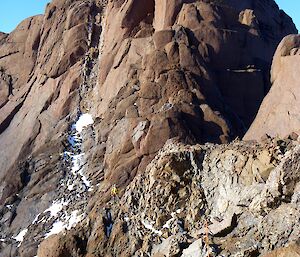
(162, 38)
(21, 46)
(58, 246)
(165, 13)
(287, 47)
(279, 112)
(289, 251)
(147, 71)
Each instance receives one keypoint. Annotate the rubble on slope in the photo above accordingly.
(238, 199)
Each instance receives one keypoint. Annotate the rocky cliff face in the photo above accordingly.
(279, 114)
(91, 91)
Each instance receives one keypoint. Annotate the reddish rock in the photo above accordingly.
(147, 71)
(279, 112)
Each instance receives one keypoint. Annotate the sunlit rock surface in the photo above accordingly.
(91, 93)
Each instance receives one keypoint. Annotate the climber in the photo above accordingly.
(114, 191)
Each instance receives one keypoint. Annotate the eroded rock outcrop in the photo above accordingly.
(196, 70)
(226, 200)
(279, 114)
(145, 71)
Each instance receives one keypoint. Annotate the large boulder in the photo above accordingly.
(279, 114)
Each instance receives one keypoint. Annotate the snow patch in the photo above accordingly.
(74, 140)
(74, 219)
(83, 121)
(70, 221)
(77, 167)
(173, 215)
(149, 226)
(70, 186)
(20, 236)
(36, 219)
(76, 163)
(9, 206)
(85, 180)
(56, 207)
(57, 227)
(168, 223)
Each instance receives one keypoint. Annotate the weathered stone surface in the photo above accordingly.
(279, 114)
(189, 193)
(21, 47)
(146, 72)
(208, 51)
(289, 251)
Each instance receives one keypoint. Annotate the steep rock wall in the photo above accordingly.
(196, 71)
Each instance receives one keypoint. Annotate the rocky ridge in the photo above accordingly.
(196, 71)
(191, 200)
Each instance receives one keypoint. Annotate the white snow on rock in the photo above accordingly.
(71, 186)
(173, 215)
(85, 180)
(74, 140)
(74, 219)
(84, 121)
(9, 206)
(168, 223)
(36, 219)
(77, 168)
(76, 163)
(20, 236)
(149, 226)
(56, 207)
(70, 222)
(57, 227)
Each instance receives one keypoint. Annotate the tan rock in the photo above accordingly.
(287, 47)
(165, 13)
(162, 38)
(247, 17)
(289, 251)
(58, 246)
(279, 112)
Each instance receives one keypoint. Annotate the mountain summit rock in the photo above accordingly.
(149, 97)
